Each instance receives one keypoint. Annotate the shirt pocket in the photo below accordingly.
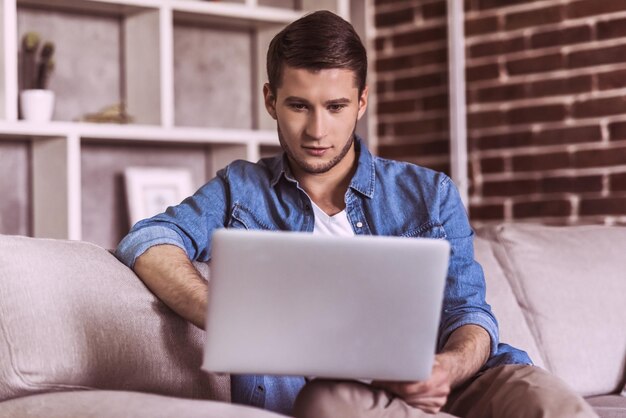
(429, 229)
(243, 218)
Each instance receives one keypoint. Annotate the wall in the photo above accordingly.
(411, 73)
(546, 103)
(15, 180)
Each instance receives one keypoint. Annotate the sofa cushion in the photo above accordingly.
(570, 283)
(73, 317)
(115, 404)
(610, 406)
(511, 322)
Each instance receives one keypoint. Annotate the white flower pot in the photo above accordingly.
(37, 105)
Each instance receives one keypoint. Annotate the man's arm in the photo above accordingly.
(170, 275)
(468, 333)
(159, 249)
(465, 352)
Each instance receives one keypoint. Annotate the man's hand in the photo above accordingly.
(465, 352)
(430, 395)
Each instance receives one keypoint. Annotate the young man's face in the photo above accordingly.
(316, 113)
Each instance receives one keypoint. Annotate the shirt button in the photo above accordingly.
(359, 224)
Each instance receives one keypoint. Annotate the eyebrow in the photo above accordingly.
(341, 100)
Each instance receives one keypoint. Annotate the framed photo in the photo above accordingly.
(149, 191)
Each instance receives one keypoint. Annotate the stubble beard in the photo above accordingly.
(313, 168)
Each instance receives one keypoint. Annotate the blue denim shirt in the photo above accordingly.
(384, 198)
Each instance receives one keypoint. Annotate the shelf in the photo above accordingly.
(136, 133)
(103, 59)
(186, 10)
(107, 7)
(231, 14)
(131, 51)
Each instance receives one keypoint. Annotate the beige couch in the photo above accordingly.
(80, 336)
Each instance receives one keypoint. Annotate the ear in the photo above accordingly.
(270, 100)
(363, 102)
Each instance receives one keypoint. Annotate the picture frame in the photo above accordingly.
(150, 190)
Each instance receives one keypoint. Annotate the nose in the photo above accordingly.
(316, 125)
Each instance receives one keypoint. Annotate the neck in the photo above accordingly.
(328, 189)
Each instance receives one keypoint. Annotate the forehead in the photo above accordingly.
(301, 82)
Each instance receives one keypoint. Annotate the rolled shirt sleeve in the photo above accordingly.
(188, 225)
(139, 240)
(464, 298)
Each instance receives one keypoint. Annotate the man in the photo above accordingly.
(327, 182)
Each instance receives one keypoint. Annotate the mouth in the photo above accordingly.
(316, 151)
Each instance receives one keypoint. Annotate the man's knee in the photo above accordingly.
(521, 391)
(329, 398)
(549, 394)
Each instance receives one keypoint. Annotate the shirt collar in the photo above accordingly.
(363, 180)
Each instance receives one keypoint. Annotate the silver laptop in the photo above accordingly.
(288, 303)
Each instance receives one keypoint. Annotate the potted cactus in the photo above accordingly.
(36, 100)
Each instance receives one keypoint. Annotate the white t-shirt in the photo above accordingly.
(337, 225)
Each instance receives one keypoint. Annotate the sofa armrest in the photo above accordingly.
(73, 317)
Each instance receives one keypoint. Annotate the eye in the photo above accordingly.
(336, 107)
(298, 106)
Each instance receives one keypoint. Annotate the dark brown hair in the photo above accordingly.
(318, 41)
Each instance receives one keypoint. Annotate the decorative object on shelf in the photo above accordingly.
(36, 101)
(111, 114)
(150, 191)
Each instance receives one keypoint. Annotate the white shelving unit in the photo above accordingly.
(148, 83)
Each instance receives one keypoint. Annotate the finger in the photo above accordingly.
(439, 375)
(401, 388)
(429, 389)
(428, 404)
(436, 390)
(416, 390)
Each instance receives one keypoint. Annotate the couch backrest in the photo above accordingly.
(73, 317)
(513, 327)
(570, 284)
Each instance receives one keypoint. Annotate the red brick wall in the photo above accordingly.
(546, 89)
(412, 76)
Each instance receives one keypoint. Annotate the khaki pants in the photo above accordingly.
(502, 392)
